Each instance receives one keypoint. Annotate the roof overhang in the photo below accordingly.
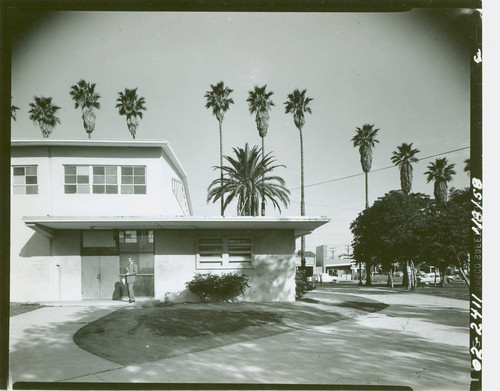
(163, 144)
(301, 225)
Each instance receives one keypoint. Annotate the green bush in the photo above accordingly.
(301, 284)
(212, 287)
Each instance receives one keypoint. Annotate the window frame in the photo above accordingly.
(226, 261)
(25, 175)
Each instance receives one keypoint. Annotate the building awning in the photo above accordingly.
(301, 225)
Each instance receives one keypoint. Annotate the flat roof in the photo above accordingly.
(301, 225)
(163, 144)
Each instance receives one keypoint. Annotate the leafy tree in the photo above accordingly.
(84, 96)
(218, 100)
(131, 106)
(13, 110)
(299, 104)
(403, 158)
(43, 113)
(247, 179)
(441, 173)
(259, 102)
(365, 140)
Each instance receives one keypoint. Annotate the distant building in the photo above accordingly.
(345, 267)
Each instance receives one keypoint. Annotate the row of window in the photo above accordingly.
(86, 179)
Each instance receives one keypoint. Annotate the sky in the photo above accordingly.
(406, 73)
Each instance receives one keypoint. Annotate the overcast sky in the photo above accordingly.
(407, 73)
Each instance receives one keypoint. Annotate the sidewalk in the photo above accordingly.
(418, 341)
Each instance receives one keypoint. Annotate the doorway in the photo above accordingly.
(100, 277)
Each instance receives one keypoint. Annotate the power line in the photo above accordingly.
(378, 169)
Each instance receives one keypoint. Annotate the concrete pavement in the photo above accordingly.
(419, 341)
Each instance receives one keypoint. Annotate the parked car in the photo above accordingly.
(426, 279)
(325, 277)
(398, 274)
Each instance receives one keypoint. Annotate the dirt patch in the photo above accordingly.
(139, 334)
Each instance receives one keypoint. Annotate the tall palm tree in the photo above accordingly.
(247, 178)
(298, 105)
(13, 109)
(441, 173)
(365, 140)
(218, 100)
(467, 167)
(259, 102)
(84, 96)
(131, 106)
(43, 113)
(404, 157)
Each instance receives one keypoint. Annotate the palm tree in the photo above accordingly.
(441, 173)
(259, 102)
(218, 100)
(245, 179)
(13, 109)
(43, 114)
(84, 96)
(467, 167)
(298, 105)
(131, 106)
(365, 140)
(403, 158)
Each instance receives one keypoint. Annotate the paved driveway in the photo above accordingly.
(418, 341)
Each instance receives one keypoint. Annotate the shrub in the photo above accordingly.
(224, 287)
(301, 284)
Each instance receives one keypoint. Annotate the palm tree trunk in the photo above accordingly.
(366, 190)
(221, 175)
(302, 205)
(263, 206)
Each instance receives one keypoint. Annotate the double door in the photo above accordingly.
(100, 277)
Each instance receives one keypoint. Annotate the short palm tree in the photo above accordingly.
(13, 109)
(403, 158)
(441, 173)
(43, 113)
(259, 102)
(467, 167)
(131, 106)
(218, 100)
(298, 105)
(247, 178)
(365, 140)
(84, 96)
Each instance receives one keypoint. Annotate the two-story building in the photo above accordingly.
(79, 208)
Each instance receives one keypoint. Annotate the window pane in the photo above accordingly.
(111, 170)
(83, 179)
(98, 189)
(70, 170)
(127, 171)
(139, 189)
(19, 180)
(111, 179)
(69, 179)
(112, 189)
(18, 170)
(31, 170)
(70, 189)
(98, 179)
(127, 179)
(127, 189)
(83, 189)
(98, 170)
(139, 170)
(32, 189)
(82, 170)
(19, 189)
(31, 180)
(140, 180)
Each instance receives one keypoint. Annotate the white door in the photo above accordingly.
(100, 277)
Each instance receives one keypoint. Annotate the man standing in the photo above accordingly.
(131, 270)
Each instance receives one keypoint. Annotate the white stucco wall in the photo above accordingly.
(271, 277)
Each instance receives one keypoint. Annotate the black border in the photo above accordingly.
(226, 6)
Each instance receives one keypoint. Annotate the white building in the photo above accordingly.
(80, 208)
